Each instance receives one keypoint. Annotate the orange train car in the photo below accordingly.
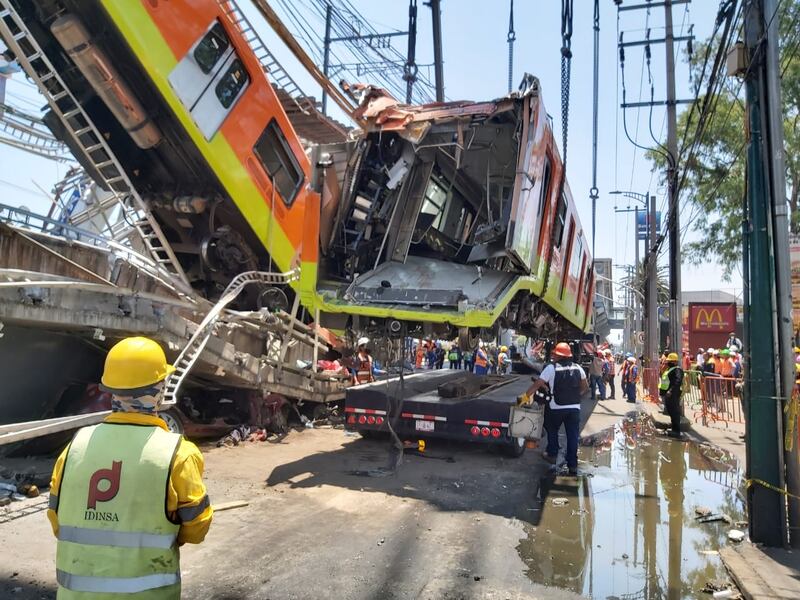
(446, 217)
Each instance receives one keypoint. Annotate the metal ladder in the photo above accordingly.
(197, 343)
(38, 67)
(25, 132)
(277, 74)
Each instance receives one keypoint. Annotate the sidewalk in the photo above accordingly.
(760, 573)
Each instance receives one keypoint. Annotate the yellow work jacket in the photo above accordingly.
(120, 548)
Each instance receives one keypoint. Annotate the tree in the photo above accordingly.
(638, 281)
(713, 190)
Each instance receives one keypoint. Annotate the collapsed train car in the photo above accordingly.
(448, 218)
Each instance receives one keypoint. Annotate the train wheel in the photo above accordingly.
(173, 420)
(466, 339)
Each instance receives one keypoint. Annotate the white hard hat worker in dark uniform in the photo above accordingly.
(567, 382)
(127, 492)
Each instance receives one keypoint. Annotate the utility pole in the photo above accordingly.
(410, 69)
(649, 239)
(764, 397)
(675, 306)
(783, 282)
(326, 55)
(436, 17)
(653, 324)
(671, 102)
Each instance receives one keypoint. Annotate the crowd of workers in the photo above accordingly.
(483, 360)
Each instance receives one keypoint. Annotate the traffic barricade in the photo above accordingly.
(691, 391)
(721, 400)
(648, 384)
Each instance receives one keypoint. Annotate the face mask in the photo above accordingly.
(147, 402)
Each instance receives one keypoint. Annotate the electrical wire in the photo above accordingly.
(713, 88)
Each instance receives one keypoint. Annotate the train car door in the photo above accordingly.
(210, 79)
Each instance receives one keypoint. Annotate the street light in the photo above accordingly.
(651, 339)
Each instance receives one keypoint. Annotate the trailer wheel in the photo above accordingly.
(515, 448)
(173, 420)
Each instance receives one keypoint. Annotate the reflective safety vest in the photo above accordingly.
(114, 535)
(567, 385)
(663, 385)
(364, 372)
(480, 359)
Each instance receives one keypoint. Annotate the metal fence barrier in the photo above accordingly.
(721, 400)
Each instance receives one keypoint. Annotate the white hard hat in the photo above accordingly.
(363, 341)
(734, 348)
(631, 360)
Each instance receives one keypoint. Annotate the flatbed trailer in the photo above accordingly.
(448, 404)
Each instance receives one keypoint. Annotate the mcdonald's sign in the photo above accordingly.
(716, 318)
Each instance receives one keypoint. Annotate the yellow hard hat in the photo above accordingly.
(503, 348)
(672, 356)
(133, 364)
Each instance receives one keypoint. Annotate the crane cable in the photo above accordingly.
(566, 58)
(594, 192)
(511, 38)
(566, 64)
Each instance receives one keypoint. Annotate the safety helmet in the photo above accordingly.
(734, 348)
(725, 352)
(672, 357)
(632, 360)
(797, 349)
(503, 348)
(134, 364)
(562, 350)
(628, 355)
(363, 341)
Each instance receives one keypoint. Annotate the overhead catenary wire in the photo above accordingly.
(594, 192)
(714, 86)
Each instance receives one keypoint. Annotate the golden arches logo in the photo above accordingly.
(709, 322)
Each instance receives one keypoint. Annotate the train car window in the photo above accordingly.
(232, 83)
(434, 202)
(575, 261)
(587, 280)
(561, 221)
(543, 191)
(211, 48)
(565, 266)
(273, 150)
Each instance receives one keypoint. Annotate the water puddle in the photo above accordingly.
(630, 530)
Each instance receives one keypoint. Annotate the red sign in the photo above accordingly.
(712, 318)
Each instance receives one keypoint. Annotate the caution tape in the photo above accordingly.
(749, 482)
(790, 411)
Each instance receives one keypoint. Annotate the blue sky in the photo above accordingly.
(475, 67)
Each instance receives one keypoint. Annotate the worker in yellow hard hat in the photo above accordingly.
(503, 361)
(127, 492)
(670, 391)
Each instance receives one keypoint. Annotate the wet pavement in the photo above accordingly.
(628, 527)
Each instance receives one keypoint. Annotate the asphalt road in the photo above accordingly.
(318, 526)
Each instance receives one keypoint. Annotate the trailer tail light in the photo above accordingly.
(379, 420)
(495, 432)
(485, 431)
(362, 419)
(351, 419)
(475, 430)
(371, 420)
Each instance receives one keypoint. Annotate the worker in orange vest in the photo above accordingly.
(363, 362)
(481, 360)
